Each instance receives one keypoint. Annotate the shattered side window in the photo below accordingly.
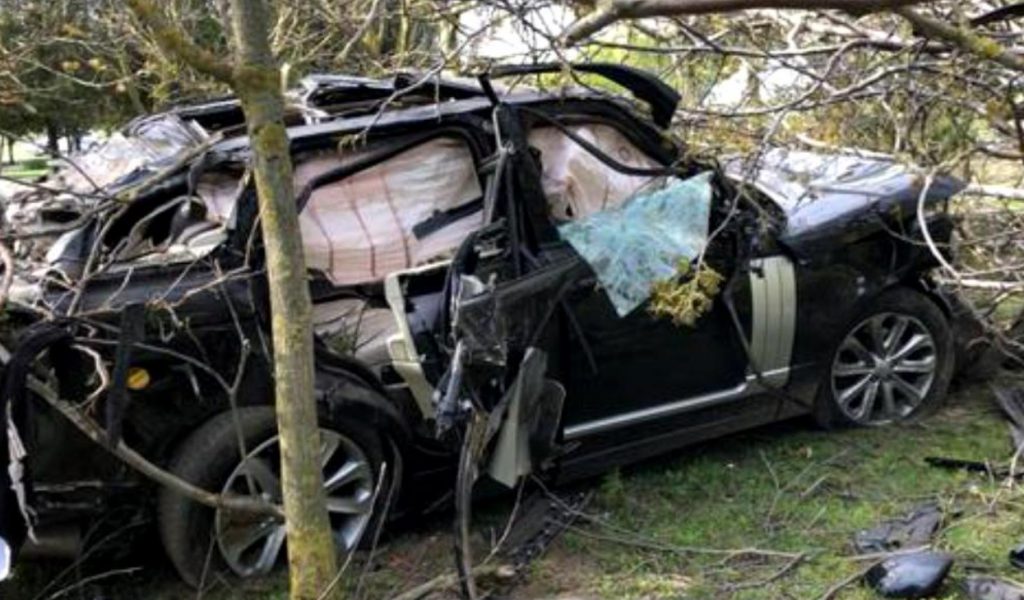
(408, 210)
(642, 241)
(575, 181)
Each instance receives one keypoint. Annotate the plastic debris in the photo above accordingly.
(916, 529)
(981, 587)
(543, 517)
(910, 576)
(1017, 556)
(5, 560)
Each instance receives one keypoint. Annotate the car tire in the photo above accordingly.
(893, 362)
(202, 541)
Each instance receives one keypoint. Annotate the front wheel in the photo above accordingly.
(201, 540)
(893, 362)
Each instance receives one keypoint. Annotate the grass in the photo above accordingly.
(28, 169)
(785, 488)
(25, 170)
(792, 488)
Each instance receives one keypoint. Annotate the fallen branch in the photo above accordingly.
(138, 462)
(450, 581)
(994, 191)
(831, 592)
(683, 550)
(983, 284)
(787, 568)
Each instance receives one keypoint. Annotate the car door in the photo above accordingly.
(626, 370)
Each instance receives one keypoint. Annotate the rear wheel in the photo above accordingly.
(892, 363)
(200, 540)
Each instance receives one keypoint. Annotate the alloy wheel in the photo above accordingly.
(251, 544)
(884, 369)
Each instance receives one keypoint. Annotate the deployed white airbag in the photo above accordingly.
(575, 181)
(361, 228)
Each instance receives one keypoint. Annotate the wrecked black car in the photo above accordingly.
(552, 265)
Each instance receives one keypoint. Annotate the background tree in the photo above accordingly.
(59, 70)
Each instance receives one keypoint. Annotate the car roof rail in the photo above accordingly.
(644, 86)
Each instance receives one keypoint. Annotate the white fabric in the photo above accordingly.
(360, 229)
(366, 328)
(219, 192)
(575, 181)
(5, 560)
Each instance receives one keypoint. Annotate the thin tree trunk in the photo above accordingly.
(52, 140)
(256, 80)
(311, 550)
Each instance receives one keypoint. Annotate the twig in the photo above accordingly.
(93, 578)
(371, 16)
(146, 468)
(790, 565)
(451, 580)
(673, 549)
(832, 591)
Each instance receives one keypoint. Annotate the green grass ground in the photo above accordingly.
(25, 170)
(669, 528)
(24, 174)
(29, 163)
(792, 488)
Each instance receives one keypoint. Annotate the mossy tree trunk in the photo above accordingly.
(256, 79)
(311, 552)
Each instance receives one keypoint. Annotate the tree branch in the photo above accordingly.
(148, 469)
(617, 10)
(962, 38)
(176, 44)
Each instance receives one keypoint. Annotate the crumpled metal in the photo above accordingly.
(143, 148)
(916, 529)
(632, 246)
(982, 587)
(917, 575)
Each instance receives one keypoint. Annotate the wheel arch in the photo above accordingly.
(341, 391)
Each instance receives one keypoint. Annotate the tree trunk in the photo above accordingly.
(256, 80)
(52, 140)
(311, 550)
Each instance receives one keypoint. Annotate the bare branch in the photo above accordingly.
(618, 10)
(143, 466)
(173, 41)
(980, 45)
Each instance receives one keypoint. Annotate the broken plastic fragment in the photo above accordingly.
(910, 576)
(16, 454)
(981, 587)
(5, 559)
(538, 523)
(632, 246)
(1017, 556)
(916, 529)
